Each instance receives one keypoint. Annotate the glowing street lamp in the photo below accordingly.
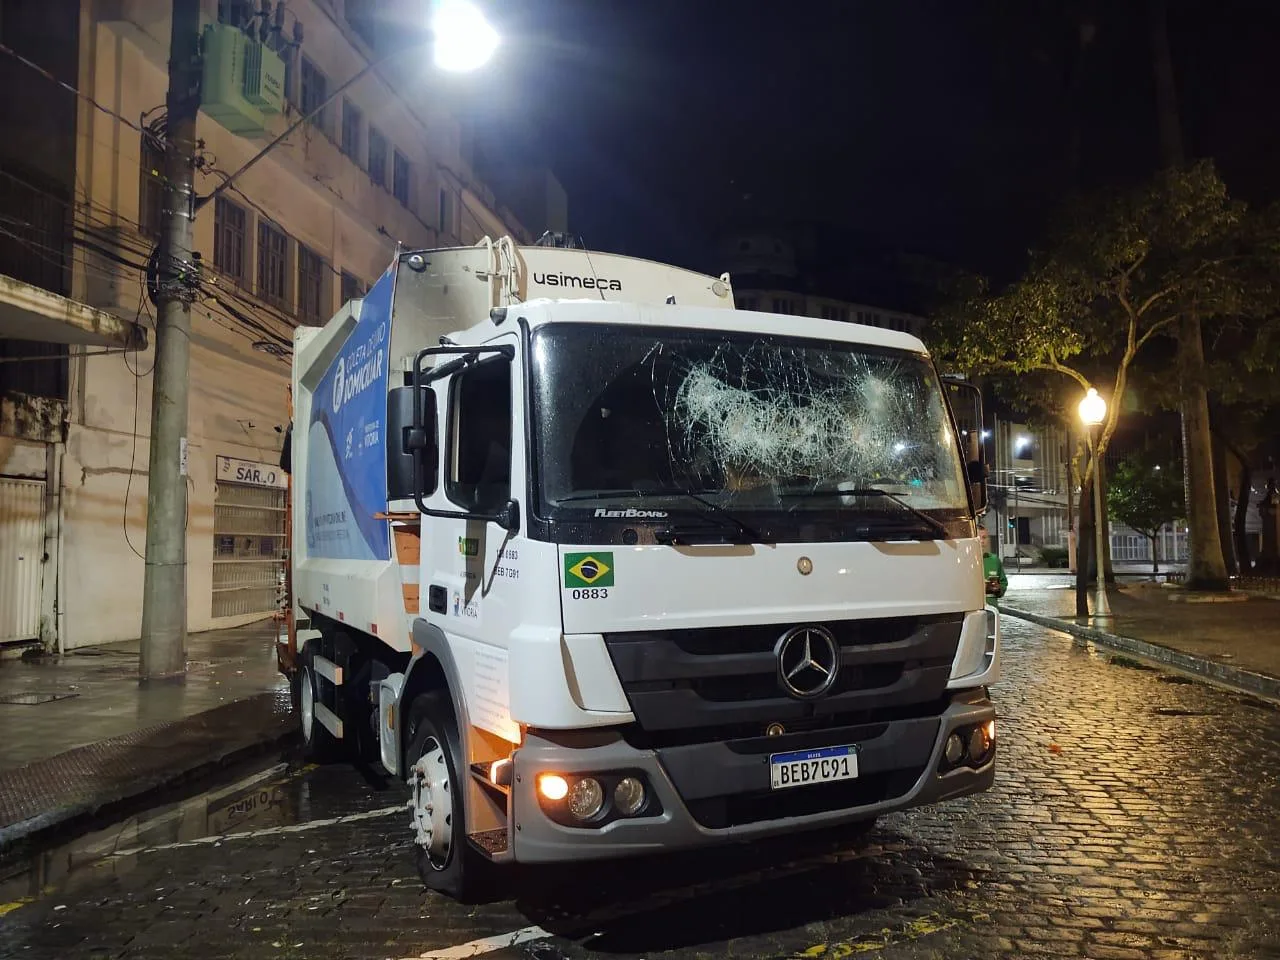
(461, 37)
(1093, 410)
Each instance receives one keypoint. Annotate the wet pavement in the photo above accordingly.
(1244, 633)
(54, 704)
(1134, 815)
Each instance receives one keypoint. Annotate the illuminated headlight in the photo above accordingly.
(628, 796)
(585, 798)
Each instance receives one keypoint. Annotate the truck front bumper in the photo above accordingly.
(712, 793)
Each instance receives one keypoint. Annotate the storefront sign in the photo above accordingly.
(231, 470)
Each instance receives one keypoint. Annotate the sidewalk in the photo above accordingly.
(1232, 643)
(81, 734)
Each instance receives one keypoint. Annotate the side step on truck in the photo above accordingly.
(599, 566)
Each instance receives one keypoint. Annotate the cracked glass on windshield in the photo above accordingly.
(634, 417)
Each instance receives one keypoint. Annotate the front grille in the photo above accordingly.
(715, 684)
(716, 813)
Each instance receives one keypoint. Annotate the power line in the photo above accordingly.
(66, 86)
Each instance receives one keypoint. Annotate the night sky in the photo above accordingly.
(940, 128)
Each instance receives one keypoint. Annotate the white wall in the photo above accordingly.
(237, 394)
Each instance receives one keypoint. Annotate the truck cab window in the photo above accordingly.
(480, 441)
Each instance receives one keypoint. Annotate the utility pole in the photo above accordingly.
(164, 592)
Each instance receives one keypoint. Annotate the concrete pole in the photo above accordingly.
(164, 592)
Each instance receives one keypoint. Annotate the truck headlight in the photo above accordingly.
(586, 797)
(628, 796)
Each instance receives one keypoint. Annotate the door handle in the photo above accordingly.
(437, 598)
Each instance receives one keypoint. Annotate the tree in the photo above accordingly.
(1118, 268)
(1144, 496)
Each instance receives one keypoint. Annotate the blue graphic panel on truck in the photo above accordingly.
(347, 456)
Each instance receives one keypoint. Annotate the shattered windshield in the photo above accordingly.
(640, 418)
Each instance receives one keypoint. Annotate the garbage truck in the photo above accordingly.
(598, 565)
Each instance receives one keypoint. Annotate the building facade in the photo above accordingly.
(766, 277)
(310, 226)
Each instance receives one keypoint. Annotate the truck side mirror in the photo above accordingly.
(966, 407)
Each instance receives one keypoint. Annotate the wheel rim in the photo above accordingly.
(432, 804)
(307, 705)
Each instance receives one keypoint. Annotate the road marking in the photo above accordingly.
(478, 948)
(264, 832)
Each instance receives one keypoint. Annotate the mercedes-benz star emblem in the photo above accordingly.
(808, 661)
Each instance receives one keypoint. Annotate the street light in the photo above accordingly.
(1093, 410)
(464, 39)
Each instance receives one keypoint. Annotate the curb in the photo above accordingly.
(1237, 678)
(74, 786)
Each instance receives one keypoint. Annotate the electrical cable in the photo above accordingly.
(66, 86)
(133, 449)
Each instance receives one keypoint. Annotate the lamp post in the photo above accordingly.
(462, 40)
(1093, 410)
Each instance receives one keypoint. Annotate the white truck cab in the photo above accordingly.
(632, 570)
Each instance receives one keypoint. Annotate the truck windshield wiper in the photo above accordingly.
(932, 523)
(746, 533)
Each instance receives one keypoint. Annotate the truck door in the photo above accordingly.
(473, 595)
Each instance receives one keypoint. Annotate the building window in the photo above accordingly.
(352, 287)
(361, 14)
(151, 197)
(315, 90)
(377, 157)
(400, 177)
(748, 303)
(273, 264)
(313, 306)
(351, 119)
(229, 235)
(782, 305)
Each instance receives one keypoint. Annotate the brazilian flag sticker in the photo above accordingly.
(588, 569)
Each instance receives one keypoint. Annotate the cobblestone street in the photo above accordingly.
(1135, 815)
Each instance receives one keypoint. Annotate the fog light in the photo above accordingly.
(991, 730)
(628, 796)
(553, 786)
(954, 749)
(585, 798)
(978, 744)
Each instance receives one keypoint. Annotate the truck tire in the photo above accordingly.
(437, 796)
(318, 744)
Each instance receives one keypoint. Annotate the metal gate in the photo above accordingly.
(248, 549)
(21, 558)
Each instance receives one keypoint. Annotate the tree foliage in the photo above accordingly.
(1119, 267)
(1144, 496)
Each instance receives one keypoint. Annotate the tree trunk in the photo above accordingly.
(1222, 504)
(1155, 554)
(1084, 547)
(1206, 567)
(1108, 567)
(1242, 514)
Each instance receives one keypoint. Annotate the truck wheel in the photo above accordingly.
(318, 744)
(444, 858)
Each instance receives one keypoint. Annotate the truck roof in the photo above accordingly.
(545, 311)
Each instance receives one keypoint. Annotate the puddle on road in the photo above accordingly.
(277, 795)
(262, 799)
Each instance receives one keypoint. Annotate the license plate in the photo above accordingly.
(804, 767)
